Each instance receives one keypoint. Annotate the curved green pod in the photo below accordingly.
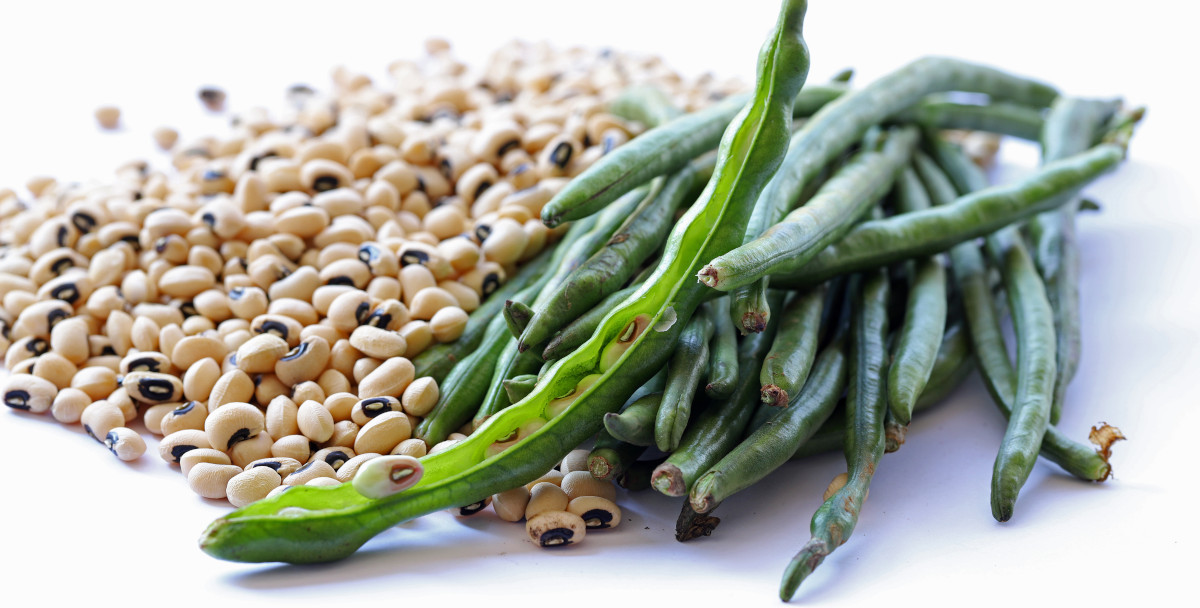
(520, 443)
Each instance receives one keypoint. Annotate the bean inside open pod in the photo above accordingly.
(386, 475)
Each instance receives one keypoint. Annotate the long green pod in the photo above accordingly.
(639, 235)
(1072, 125)
(719, 428)
(437, 360)
(773, 444)
(1003, 118)
(876, 243)
(578, 331)
(314, 524)
(684, 372)
(954, 363)
(866, 407)
(643, 158)
(519, 386)
(831, 212)
(722, 353)
(1033, 323)
(839, 125)
(924, 318)
(635, 423)
(644, 103)
(611, 457)
(785, 368)
(987, 339)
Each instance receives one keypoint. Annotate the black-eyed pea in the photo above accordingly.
(125, 443)
(485, 278)
(323, 482)
(144, 334)
(386, 475)
(340, 201)
(510, 505)
(377, 342)
(381, 260)
(229, 326)
(381, 193)
(389, 379)
(308, 391)
(284, 327)
(195, 348)
(210, 480)
(24, 367)
(429, 301)
(390, 314)
(298, 285)
(426, 238)
(68, 405)
(137, 287)
(268, 387)
(108, 117)
(552, 476)
(495, 139)
(575, 460)
(310, 471)
(432, 182)
(556, 157)
(400, 175)
(345, 432)
(250, 450)
(420, 396)
(283, 466)
(545, 496)
(536, 236)
(213, 304)
(366, 410)
(581, 483)
(474, 181)
(314, 421)
(417, 203)
(231, 423)
(363, 367)
(349, 310)
(555, 528)
(417, 448)
(382, 433)
(384, 288)
(415, 278)
(297, 447)
(54, 263)
(234, 386)
(251, 485)
(169, 336)
(119, 328)
(196, 325)
(340, 405)
(196, 456)
(322, 330)
(334, 456)
(106, 267)
(505, 242)
(120, 398)
(350, 468)
(39, 318)
(25, 349)
(305, 222)
(99, 418)
(186, 281)
(333, 381)
(248, 302)
(559, 405)
(321, 175)
(538, 135)
(471, 509)
(106, 361)
(55, 368)
(444, 221)
(145, 361)
(415, 252)
(598, 513)
(448, 324)
(174, 446)
(349, 271)
(515, 213)
(199, 379)
(259, 354)
(152, 417)
(151, 388)
(281, 417)
(189, 415)
(489, 200)
(303, 363)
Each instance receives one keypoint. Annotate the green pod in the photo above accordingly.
(1072, 125)
(463, 389)
(639, 235)
(437, 360)
(722, 352)
(719, 428)
(920, 334)
(866, 408)
(786, 366)
(987, 339)
(684, 372)
(876, 243)
(1002, 118)
(644, 103)
(773, 444)
(518, 386)
(522, 442)
(831, 212)
(516, 316)
(579, 330)
(610, 457)
(636, 476)
(635, 424)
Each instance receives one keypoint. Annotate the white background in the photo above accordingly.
(79, 525)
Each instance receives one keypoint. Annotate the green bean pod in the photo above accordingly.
(644, 103)
(719, 428)
(635, 424)
(516, 316)
(1072, 125)
(522, 442)
(786, 366)
(578, 331)
(610, 457)
(866, 407)
(987, 339)
(639, 235)
(518, 386)
(773, 444)
(463, 389)
(924, 318)
(684, 372)
(722, 355)
(1003, 118)
(832, 211)
(437, 360)
(876, 243)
